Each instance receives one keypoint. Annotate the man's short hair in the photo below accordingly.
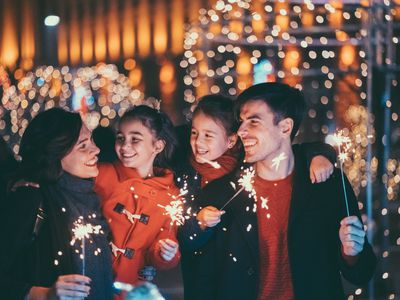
(283, 100)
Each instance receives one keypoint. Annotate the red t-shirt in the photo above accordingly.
(273, 204)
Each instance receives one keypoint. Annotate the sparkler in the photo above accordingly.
(343, 143)
(175, 208)
(81, 232)
(246, 181)
(214, 164)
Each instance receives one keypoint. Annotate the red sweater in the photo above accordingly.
(273, 204)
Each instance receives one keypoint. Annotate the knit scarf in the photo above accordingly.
(228, 162)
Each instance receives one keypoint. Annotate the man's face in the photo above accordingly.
(261, 138)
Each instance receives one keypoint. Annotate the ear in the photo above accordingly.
(159, 146)
(286, 127)
(232, 139)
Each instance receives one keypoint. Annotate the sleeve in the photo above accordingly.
(105, 181)
(19, 216)
(362, 270)
(191, 237)
(310, 150)
(153, 255)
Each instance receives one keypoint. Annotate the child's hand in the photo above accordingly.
(72, 287)
(168, 249)
(320, 169)
(209, 216)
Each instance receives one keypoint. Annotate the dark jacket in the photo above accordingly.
(313, 241)
(35, 253)
(192, 238)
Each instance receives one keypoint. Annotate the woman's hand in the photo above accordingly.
(67, 287)
(168, 249)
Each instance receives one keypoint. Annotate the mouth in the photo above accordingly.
(92, 162)
(127, 155)
(201, 152)
(249, 144)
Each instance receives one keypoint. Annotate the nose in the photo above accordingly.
(198, 140)
(94, 148)
(242, 131)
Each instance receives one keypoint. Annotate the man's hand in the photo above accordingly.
(351, 235)
(168, 249)
(209, 216)
(320, 169)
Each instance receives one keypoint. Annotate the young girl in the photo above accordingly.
(215, 152)
(134, 191)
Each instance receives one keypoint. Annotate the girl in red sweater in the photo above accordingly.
(134, 191)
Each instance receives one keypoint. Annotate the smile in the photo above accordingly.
(92, 162)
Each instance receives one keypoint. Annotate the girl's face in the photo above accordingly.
(209, 139)
(82, 160)
(137, 147)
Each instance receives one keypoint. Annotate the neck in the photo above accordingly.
(145, 172)
(267, 168)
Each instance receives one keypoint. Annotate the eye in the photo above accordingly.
(193, 132)
(209, 136)
(120, 139)
(135, 140)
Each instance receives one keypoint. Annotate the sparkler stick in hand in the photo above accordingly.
(81, 232)
(343, 143)
(246, 181)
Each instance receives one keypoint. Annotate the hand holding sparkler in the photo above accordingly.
(73, 286)
(352, 235)
(209, 216)
(168, 249)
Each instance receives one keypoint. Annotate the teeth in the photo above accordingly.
(127, 155)
(92, 162)
(202, 151)
(249, 143)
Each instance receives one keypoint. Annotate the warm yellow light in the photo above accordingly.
(62, 44)
(292, 59)
(27, 36)
(74, 38)
(87, 38)
(9, 43)
(167, 72)
(113, 32)
(160, 36)
(144, 25)
(100, 34)
(243, 65)
(177, 22)
(128, 33)
(135, 77)
(347, 55)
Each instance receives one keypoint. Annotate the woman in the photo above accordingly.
(39, 260)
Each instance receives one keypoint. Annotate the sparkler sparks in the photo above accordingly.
(343, 144)
(81, 232)
(277, 160)
(175, 211)
(246, 181)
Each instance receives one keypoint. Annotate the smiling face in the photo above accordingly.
(81, 161)
(262, 138)
(208, 138)
(137, 147)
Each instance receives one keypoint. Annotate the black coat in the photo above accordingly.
(313, 242)
(35, 253)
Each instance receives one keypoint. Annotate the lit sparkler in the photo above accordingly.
(214, 164)
(81, 232)
(246, 182)
(343, 144)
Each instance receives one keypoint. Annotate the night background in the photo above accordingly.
(101, 57)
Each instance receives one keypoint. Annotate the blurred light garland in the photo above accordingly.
(100, 93)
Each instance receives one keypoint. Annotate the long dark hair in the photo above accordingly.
(49, 137)
(161, 127)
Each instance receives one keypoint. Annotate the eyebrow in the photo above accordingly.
(82, 141)
(132, 133)
(252, 117)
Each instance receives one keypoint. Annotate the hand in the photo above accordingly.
(209, 216)
(168, 249)
(20, 183)
(71, 287)
(351, 235)
(147, 273)
(320, 169)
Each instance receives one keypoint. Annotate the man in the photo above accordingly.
(293, 239)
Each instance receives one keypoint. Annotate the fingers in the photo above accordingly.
(210, 216)
(352, 220)
(352, 235)
(320, 169)
(72, 286)
(168, 249)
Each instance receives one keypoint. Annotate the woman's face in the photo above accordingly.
(82, 160)
(137, 147)
(208, 138)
